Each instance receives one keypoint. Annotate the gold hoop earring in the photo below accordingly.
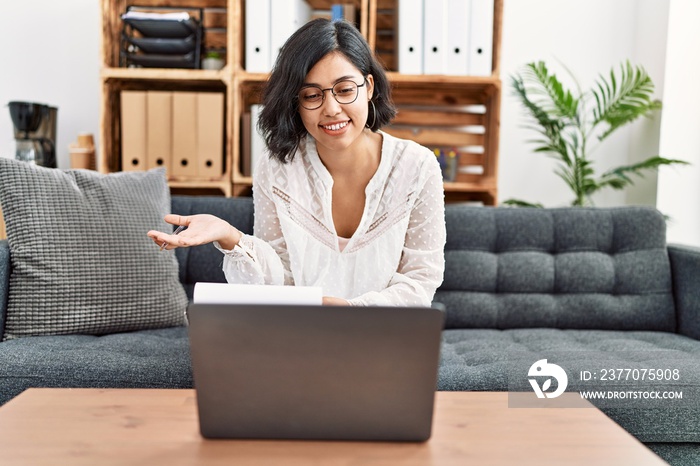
(374, 115)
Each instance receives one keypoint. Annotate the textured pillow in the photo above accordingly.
(81, 260)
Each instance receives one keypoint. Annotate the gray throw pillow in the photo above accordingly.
(81, 260)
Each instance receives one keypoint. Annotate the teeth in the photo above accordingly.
(337, 126)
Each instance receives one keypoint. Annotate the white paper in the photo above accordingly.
(229, 293)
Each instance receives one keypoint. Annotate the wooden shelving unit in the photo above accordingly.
(449, 104)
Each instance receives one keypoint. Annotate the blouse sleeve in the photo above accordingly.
(261, 259)
(422, 265)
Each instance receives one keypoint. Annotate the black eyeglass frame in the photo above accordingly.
(335, 96)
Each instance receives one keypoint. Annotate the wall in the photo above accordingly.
(50, 54)
(679, 188)
(589, 38)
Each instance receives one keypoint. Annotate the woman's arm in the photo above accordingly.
(263, 258)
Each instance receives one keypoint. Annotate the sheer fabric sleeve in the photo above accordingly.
(422, 265)
(261, 259)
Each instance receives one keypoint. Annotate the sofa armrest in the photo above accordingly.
(4, 282)
(685, 269)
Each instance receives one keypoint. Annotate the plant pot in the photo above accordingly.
(212, 63)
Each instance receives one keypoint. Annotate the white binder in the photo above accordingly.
(258, 148)
(257, 36)
(458, 13)
(410, 36)
(435, 37)
(481, 38)
(286, 17)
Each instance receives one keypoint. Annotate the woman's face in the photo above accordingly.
(335, 126)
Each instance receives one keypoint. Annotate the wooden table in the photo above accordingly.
(154, 427)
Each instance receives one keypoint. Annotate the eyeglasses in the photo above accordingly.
(344, 92)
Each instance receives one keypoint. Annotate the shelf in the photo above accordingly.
(243, 180)
(245, 76)
(163, 74)
(224, 185)
(440, 79)
(445, 112)
(470, 187)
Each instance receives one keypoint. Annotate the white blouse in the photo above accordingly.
(396, 255)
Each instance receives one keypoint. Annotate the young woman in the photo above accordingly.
(338, 203)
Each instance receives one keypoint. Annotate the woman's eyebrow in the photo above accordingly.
(342, 78)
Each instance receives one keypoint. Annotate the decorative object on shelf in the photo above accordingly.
(161, 39)
(568, 124)
(35, 132)
(212, 60)
(82, 152)
(344, 11)
(449, 162)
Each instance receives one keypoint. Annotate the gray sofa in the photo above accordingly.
(583, 287)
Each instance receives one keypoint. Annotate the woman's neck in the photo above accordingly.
(359, 161)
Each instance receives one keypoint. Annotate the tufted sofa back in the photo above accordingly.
(203, 263)
(572, 268)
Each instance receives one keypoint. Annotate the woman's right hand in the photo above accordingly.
(201, 229)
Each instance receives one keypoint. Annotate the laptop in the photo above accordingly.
(315, 372)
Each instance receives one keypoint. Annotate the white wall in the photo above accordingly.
(589, 38)
(50, 54)
(679, 188)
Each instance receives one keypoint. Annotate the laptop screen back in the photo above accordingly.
(315, 372)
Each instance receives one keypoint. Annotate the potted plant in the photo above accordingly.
(570, 125)
(212, 60)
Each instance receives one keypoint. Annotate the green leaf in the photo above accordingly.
(553, 97)
(623, 99)
(619, 178)
(521, 203)
(553, 107)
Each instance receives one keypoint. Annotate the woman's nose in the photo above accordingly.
(330, 106)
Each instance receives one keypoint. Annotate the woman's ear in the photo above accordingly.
(370, 86)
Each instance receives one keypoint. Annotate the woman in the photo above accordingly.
(338, 203)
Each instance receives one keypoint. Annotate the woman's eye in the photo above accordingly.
(311, 96)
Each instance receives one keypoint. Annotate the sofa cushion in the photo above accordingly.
(156, 358)
(80, 258)
(567, 268)
(499, 360)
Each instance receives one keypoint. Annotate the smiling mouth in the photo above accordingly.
(335, 126)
